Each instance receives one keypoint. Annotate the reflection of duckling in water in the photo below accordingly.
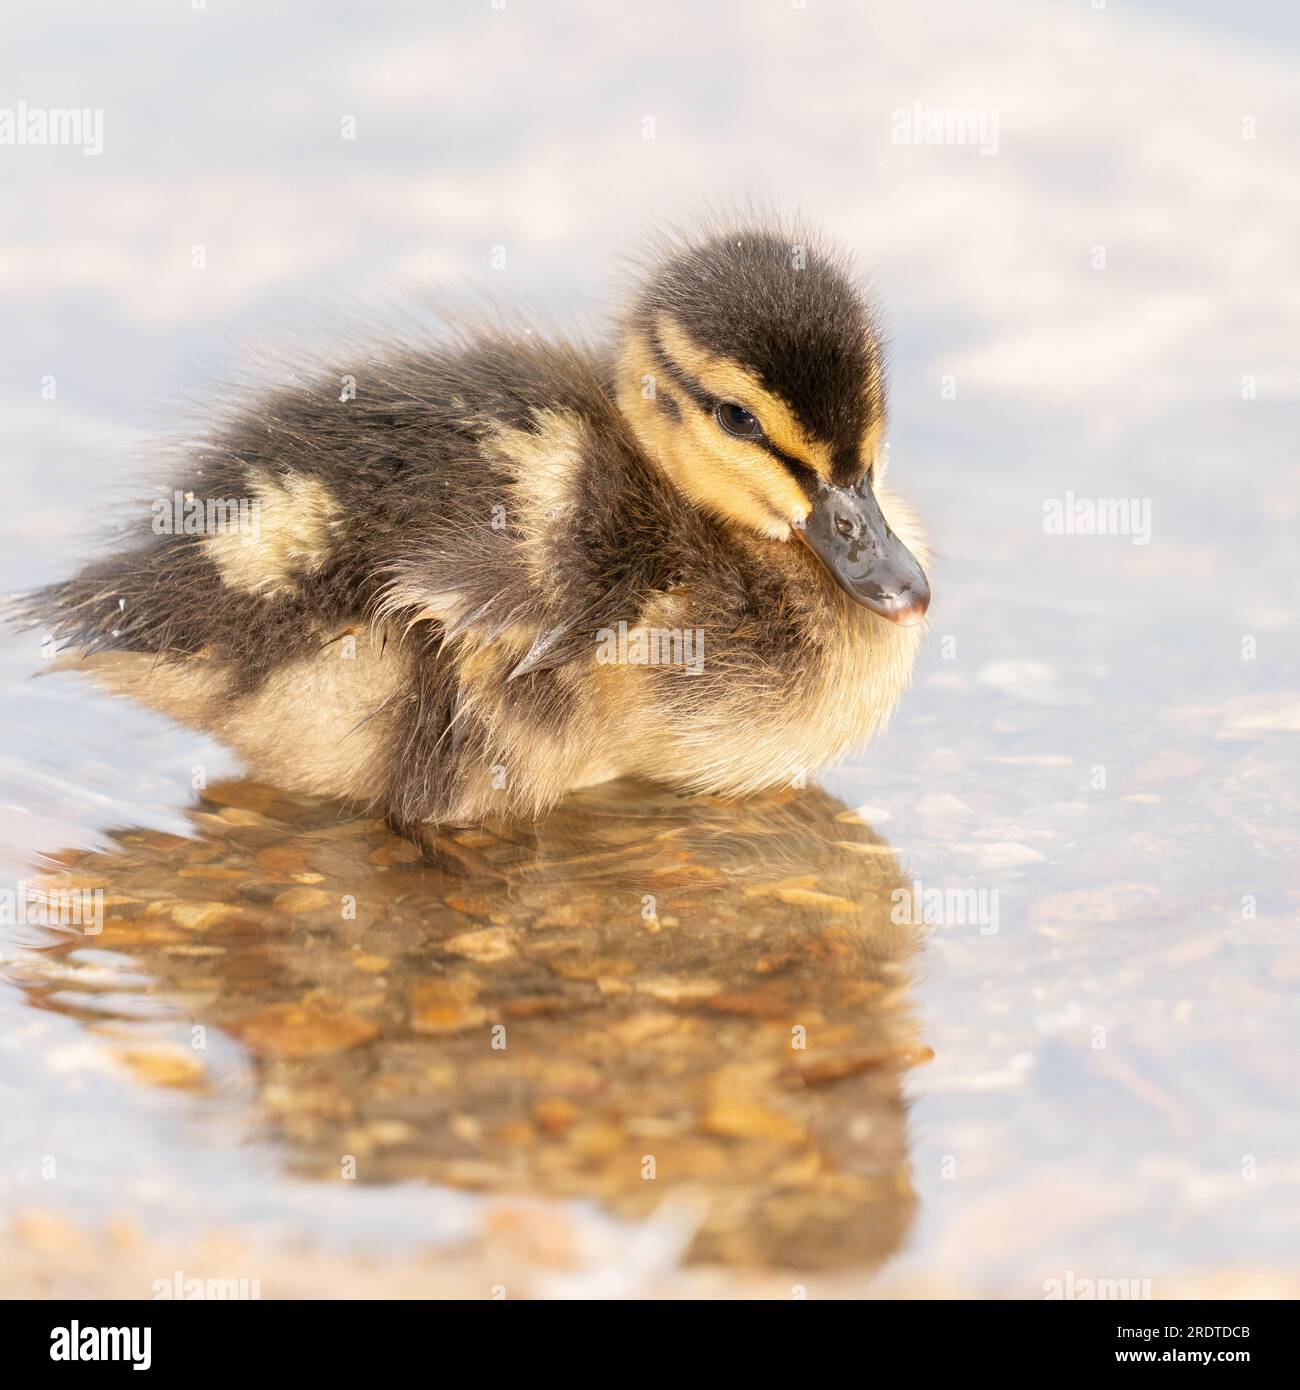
(511, 567)
(643, 985)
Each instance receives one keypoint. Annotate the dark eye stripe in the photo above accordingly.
(806, 477)
(685, 382)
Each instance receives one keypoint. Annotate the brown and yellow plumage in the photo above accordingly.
(509, 567)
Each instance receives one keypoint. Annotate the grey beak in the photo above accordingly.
(848, 533)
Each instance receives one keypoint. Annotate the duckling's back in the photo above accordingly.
(374, 581)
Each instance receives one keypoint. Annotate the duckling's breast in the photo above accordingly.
(773, 692)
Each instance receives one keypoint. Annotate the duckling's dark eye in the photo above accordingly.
(735, 419)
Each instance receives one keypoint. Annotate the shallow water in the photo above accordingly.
(643, 992)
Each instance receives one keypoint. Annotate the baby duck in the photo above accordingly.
(494, 569)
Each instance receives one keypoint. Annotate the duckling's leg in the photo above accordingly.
(426, 738)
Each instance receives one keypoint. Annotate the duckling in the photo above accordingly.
(506, 566)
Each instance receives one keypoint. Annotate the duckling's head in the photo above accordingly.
(751, 373)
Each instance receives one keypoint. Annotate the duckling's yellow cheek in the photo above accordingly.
(726, 477)
(737, 480)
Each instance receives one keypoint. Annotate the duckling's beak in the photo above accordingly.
(848, 533)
